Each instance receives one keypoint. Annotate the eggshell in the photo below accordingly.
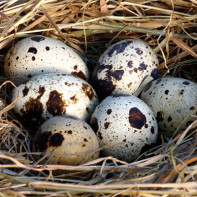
(67, 141)
(173, 101)
(125, 68)
(39, 55)
(53, 94)
(126, 123)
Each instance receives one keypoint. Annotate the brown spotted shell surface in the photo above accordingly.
(125, 68)
(126, 123)
(38, 55)
(67, 141)
(173, 101)
(53, 94)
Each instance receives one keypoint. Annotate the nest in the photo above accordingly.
(169, 27)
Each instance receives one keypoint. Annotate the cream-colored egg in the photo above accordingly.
(53, 94)
(124, 124)
(67, 141)
(173, 101)
(125, 68)
(38, 55)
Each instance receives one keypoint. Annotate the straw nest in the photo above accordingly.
(169, 27)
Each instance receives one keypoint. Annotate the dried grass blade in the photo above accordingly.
(2, 15)
(167, 178)
(146, 162)
(18, 164)
(194, 1)
(10, 106)
(178, 57)
(161, 10)
(11, 24)
(184, 46)
(104, 8)
(191, 126)
(59, 31)
(189, 185)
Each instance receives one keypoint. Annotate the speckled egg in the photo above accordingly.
(173, 101)
(38, 55)
(67, 141)
(126, 123)
(53, 94)
(125, 68)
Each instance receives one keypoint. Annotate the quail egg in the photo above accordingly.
(125, 68)
(67, 141)
(38, 55)
(173, 101)
(53, 94)
(124, 125)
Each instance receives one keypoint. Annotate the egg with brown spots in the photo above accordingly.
(125, 68)
(173, 101)
(66, 141)
(53, 94)
(38, 55)
(124, 124)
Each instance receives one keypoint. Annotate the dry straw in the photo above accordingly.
(90, 26)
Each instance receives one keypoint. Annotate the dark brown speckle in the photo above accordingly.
(166, 92)
(25, 91)
(130, 64)
(118, 48)
(186, 82)
(32, 109)
(56, 140)
(106, 125)
(109, 111)
(181, 92)
(74, 99)
(47, 48)
(136, 118)
(41, 91)
(152, 129)
(37, 38)
(117, 74)
(88, 91)
(100, 136)
(69, 132)
(79, 74)
(32, 50)
(55, 104)
(142, 66)
(138, 51)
